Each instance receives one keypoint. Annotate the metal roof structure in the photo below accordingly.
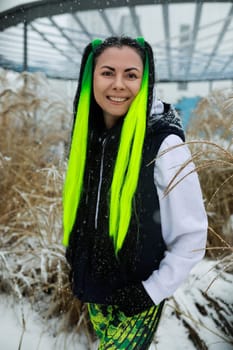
(191, 40)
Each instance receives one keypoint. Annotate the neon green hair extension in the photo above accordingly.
(77, 158)
(128, 160)
(127, 167)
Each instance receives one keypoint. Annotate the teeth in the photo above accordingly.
(117, 99)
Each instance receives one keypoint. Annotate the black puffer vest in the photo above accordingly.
(97, 275)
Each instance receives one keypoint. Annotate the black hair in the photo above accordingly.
(89, 114)
(95, 118)
(116, 41)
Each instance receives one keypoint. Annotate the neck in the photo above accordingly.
(110, 121)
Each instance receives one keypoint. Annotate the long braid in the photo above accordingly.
(127, 167)
(75, 174)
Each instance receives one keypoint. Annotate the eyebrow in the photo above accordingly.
(126, 70)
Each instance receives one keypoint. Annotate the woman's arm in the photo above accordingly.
(183, 219)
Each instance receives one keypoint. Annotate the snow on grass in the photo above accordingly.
(22, 328)
(195, 307)
(204, 304)
(38, 304)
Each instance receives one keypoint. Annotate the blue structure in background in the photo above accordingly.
(185, 108)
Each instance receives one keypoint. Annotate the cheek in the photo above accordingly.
(136, 88)
(99, 86)
(96, 90)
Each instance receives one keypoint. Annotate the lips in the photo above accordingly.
(117, 99)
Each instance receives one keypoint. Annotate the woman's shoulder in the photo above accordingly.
(164, 119)
(164, 113)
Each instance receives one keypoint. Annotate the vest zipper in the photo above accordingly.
(100, 182)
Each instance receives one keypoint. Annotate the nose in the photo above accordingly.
(118, 83)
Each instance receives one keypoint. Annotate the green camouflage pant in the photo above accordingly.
(117, 331)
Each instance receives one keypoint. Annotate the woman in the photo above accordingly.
(128, 245)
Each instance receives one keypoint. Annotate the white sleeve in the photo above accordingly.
(183, 220)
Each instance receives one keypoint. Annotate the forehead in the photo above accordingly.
(120, 56)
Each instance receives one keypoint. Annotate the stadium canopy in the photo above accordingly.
(191, 40)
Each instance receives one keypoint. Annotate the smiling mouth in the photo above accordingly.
(117, 99)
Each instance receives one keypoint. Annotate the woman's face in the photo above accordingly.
(117, 80)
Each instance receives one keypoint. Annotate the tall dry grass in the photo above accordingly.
(34, 127)
(210, 136)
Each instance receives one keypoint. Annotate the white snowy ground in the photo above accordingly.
(19, 324)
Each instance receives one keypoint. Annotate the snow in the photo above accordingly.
(19, 321)
(12, 327)
(36, 335)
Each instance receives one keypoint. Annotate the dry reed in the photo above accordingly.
(210, 138)
(212, 128)
(33, 128)
(33, 125)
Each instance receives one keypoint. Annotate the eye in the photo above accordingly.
(107, 73)
(132, 76)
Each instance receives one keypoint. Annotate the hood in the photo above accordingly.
(164, 119)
